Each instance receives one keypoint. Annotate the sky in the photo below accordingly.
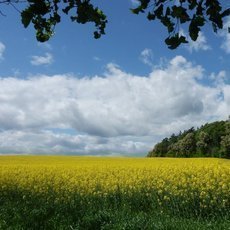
(116, 96)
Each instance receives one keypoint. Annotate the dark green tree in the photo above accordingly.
(202, 143)
(187, 145)
(225, 142)
(193, 14)
(175, 149)
(173, 139)
(215, 130)
(225, 146)
(160, 149)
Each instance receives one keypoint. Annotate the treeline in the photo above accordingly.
(210, 140)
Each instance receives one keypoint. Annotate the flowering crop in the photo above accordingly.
(201, 185)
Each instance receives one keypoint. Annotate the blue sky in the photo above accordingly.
(118, 95)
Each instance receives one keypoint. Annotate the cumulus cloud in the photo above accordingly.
(42, 60)
(219, 79)
(2, 49)
(114, 113)
(226, 37)
(147, 57)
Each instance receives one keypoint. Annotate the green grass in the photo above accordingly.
(33, 212)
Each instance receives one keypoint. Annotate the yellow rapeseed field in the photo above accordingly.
(203, 181)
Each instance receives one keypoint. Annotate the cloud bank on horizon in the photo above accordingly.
(116, 113)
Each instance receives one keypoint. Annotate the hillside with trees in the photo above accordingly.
(210, 140)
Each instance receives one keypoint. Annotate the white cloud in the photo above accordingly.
(42, 60)
(147, 57)
(226, 36)
(115, 113)
(219, 79)
(46, 142)
(199, 44)
(135, 3)
(2, 49)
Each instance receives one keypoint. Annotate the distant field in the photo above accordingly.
(57, 192)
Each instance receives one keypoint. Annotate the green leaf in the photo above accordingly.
(180, 12)
(41, 37)
(226, 13)
(168, 11)
(177, 11)
(159, 11)
(67, 9)
(168, 23)
(192, 4)
(135, 11)
(173, 42)
(96, 35)
(57, 18)
(199, 10)
(182, 39)
(26, 17)
(193, 31)
(151, 16)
